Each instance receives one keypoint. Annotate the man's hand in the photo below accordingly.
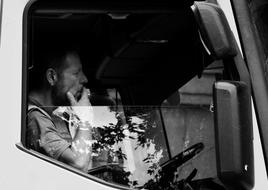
(84, 101)
(82, 108)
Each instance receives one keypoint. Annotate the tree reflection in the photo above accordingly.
(142, 126)
(134, 143)
(139, 126)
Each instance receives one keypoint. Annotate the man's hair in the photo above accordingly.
(45, 58)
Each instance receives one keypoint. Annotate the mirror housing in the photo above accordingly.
(215, 32)
(233, 134)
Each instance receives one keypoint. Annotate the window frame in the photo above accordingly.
(253, 56)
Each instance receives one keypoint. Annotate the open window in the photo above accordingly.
(151, 77)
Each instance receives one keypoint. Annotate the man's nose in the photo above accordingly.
(83, 78)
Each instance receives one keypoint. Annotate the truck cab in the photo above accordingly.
(178, 91)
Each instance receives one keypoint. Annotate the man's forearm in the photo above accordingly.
(81, 144)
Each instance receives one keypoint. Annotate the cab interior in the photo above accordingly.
(146, 51)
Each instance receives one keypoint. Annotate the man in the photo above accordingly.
(59, 81)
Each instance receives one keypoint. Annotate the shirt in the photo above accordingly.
(46, 133)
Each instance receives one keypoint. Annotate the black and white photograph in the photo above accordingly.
(125, 95)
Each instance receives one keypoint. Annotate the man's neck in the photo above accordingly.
(44, 98)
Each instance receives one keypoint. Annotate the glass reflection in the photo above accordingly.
(129, 143)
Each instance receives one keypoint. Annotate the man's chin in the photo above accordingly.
(60, 98)
(62, 101)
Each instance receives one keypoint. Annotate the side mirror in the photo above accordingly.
(234, 134)
(215, 32)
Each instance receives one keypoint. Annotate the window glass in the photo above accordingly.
(189, 120)
(136, 145)
(113, 91)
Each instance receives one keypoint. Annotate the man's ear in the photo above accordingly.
(51, 76)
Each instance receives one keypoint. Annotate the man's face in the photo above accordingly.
(70, 78)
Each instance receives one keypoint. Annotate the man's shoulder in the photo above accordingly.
(40, 120)
(37, 113)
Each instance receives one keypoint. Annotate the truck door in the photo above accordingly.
(159, 72)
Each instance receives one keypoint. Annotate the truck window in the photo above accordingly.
(150, 80)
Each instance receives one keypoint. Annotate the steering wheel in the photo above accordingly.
(172, 164)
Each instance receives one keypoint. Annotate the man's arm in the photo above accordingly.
(79, 154)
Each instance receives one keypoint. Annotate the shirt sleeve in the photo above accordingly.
(52, 143)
